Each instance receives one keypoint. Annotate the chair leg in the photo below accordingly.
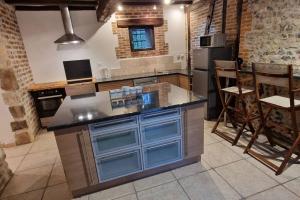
(253, 138)
(288, 156)
(221, 114)
(240, 132)
(252, 129)
(218, 121)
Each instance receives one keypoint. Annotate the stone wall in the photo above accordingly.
(5, 172)
(15, 76)
(138, 12)
(275, 31)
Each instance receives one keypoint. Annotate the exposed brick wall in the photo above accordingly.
(137, 12)
(199, 12)
(16, 75)
(245, 28)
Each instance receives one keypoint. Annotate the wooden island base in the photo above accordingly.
(80, 159)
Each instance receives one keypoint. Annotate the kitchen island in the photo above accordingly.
(103, 145)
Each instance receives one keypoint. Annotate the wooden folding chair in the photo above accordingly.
(229, 70)
(275, 76)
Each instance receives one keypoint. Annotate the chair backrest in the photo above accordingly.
(273, 74)
(226, 69)
(80, 89)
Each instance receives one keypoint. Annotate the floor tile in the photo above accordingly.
(113, 193)
(17, 151)
(246, 178)
(128, 197)
(218, 154)
(57, 175)
(191, 169)
(14, 162)
(29, 180)
(58, 192)
(209, 186)
(238, 148)
(86, 197)
(291, 172)
(169, 191)
(209, 139)
(278, 193)
(44, 142)
(294, 186)
(34, 195)
(40, 159)
(153, 181)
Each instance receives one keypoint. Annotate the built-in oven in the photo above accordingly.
(47, 103)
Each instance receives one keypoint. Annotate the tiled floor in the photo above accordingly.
(224, 173)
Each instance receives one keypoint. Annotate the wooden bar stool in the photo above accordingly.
(229, 69)
(275, 76)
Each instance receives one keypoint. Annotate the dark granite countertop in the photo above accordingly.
(143, 75)
(86, 109)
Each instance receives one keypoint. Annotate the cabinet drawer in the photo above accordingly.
(113, 141)
(158, 116)
(156, 132)
(116, 166)
(162, 154)
(97, 128)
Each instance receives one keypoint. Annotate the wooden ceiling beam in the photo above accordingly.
(52, 8)
(51, 2)
(156, 2)
(107, 7)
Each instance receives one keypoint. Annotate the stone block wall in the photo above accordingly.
(274, 36)
(138, 12)
(5, 172)
(15, 77)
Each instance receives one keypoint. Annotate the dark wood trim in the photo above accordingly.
(210, 16)
(189, 49)
(224, 15)
(53, 8)
(140, 22)
(154, 2)
(239, 12)
(133, 177)
(50, 2)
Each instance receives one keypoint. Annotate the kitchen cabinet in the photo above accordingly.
(162, 154)
(101, 155)
(117, 147)
(114, 85)
(184, 82)
(119, 165)
(77, 157)
(172, 79)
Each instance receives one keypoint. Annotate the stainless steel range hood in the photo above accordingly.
(69, 37)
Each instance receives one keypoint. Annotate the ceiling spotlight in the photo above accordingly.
(167, 2)
(154, 7)
(120, 8)
(182, 7)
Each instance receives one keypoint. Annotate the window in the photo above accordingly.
(141, 38)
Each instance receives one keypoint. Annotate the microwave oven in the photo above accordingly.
(214, 40)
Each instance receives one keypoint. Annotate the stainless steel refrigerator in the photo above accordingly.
(204, 82)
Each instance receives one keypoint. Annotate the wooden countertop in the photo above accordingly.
(47, 86)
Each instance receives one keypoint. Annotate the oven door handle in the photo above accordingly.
(50, 97)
